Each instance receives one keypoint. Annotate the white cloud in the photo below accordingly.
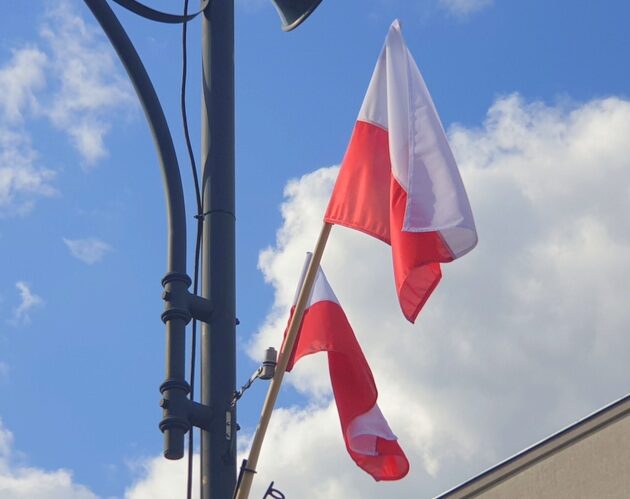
(158, 478)
(20, 79)
(163, 479)
(90, 86)
(308, 443)
(28, 301)
(523, 336)
(462, 8)
(18, 481)
(22, 180)
(74, 82)
(89, 250)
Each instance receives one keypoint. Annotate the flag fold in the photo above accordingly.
(399, 181)
(368, 438)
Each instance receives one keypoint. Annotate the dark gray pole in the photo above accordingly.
(218, 344)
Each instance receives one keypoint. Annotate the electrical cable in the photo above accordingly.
(199, 218)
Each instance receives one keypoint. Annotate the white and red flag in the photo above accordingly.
(368, 437)
(399, 181)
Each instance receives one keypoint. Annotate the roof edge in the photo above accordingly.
(541, 450)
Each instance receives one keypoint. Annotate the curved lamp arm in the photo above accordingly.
(175, 404)
(176, 214)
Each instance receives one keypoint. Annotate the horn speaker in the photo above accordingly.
(293, 12)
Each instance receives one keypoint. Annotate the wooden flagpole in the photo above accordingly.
(249, 466)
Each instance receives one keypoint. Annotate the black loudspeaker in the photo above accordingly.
(293, 12)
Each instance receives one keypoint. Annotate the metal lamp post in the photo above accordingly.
(216, 307)
(218, 336)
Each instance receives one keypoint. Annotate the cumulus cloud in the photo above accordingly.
(28, 301)
(70, 78)
(523, 336)
(18, 481)
(462, 8)
(20, 79)
(89, 87)
(159, 478)
(89, 250)
(22, 179)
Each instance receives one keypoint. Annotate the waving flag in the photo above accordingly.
(368, 438)
(399, 181)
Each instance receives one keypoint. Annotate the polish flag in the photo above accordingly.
(368, 437)
(399, 181)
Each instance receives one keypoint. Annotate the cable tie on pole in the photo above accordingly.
(241, 471)
(219, 210)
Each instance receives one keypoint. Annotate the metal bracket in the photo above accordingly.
(180, 413)
(175, 297)
(182, 303)
(184, 413)
(200, 308)
(200, 415)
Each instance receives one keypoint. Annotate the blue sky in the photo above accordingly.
(524, 335)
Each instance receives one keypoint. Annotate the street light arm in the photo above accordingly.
(176, 213)
(157, 15)
(175, 389)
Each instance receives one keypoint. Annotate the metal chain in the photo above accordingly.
(246, 386)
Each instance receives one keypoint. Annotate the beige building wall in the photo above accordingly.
(596, 467)
(590, 460)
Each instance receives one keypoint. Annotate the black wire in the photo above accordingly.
(193, 353)
(184, 115)
(199, 218)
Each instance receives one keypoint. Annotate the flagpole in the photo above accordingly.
(249, 466)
